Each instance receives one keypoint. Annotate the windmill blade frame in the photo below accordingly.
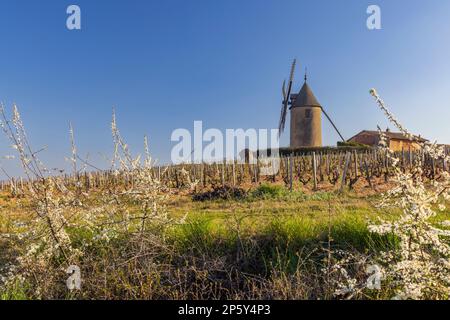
(286, 97)
(281, 124)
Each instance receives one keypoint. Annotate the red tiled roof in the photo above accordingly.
(389, 134)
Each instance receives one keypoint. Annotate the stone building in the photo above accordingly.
(306, 119)
(396, 140)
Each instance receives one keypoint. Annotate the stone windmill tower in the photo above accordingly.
(306, 115)
(306, 119)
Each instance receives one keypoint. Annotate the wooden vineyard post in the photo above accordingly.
(286, 169)
(344, 174)
(367, 173)
(290, 172)
(257, 170)
(12, 185)
(234, 174)
(321, 167)
(403, 160)
(356, 163)
(274, 173)
(202, 174)
(386, 167)
(223, 174)
(423, 159)
(176, 179)
(410, 158)
(314, 170)
(433, 165)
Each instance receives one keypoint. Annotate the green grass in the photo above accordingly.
(16, 291)
(273, 227)
(270, 232)
(269, 191)
(281, 220)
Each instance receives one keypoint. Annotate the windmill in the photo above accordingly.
(306, 114)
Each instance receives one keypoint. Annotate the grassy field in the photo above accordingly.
(305, 218)
(268, 243)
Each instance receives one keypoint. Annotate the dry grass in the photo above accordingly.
(258, 248)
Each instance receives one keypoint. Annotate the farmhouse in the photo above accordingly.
(396, 140)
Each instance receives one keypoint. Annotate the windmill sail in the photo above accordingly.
(286, 97)
(283, 110)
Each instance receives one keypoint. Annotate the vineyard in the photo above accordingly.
(337, 170)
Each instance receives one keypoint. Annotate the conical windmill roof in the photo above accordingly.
(306, 98)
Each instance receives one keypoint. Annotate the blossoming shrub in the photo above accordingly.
(65, 223)
(420, 267)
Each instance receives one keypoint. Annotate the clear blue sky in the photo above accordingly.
(164, 64)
